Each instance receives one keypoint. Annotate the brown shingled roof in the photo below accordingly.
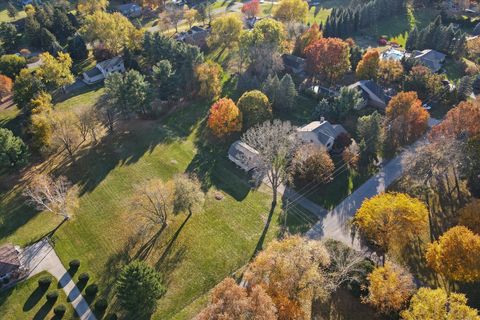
(9, 260)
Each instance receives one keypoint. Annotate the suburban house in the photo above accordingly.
(392, 54)
(130, 10)
(243, 155)
(195, 36)
(321, 133)
(10, 265)
(103, 69)
(294, 64)
(429, 58)
(373, 95)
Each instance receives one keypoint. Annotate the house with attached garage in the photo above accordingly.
(429, 58)
(321, 133)
(103, 69)
(11, 268)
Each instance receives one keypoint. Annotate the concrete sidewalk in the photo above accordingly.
(42, 257)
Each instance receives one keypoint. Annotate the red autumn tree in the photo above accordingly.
(224, 118)
(307, 38)
(463, 119)
(406, 119)
(6, 85)
(251, 9)
(328, 58)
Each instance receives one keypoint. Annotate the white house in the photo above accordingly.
(243, 155)
(321, 133)
(103, 69)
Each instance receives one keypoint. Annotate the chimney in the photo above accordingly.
(322, 119)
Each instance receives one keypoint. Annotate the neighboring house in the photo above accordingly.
(429, 58)
(10, 265)
(195, 36)
(243, 155)
(294, 64)
(323, 91)
(130, 10)
(321, 133)
(392, 54)
(373, 95)
(103, 69)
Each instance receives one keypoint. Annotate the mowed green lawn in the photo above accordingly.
(193, 255)
(27, 301)
(4, 17)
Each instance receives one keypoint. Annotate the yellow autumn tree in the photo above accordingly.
(431, 304)
(291, 273)
(90, 6)
(455, 255)
(56, 72)
(389, 288)
(470, 216)
(209, 77)
(367, 68)
(390, 218)
(291, 11)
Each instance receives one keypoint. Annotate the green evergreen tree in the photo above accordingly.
(271, 87)
(13, 151)
(32, 31)
(12, 11)
(288, 93)
(8, 36)
(62, 27)
(138, 289)
(77, 48)
(412, 40)
(49, 42)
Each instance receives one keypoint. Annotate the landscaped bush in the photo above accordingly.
(52, 296)
(91, 290)
(101, 305)
(60, 310)
(44, 282)
(83, 277)
(74, 264)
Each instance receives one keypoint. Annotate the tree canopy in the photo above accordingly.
(13, 150)
(255, 108)
(328, 58)
(224, 118)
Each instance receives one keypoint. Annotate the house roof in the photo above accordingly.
(9, 260)
(244, 153)
(110, 63)
(293, 61)
(393, 54)
(93, 72)
(323, 129)
(371, 90)
(430, 58)
(128, 7)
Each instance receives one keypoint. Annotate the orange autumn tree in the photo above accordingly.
(367, 68)
(328, 58)
(224, 118)
(389, 288)
(470, 216)
(6, 85)
(251, 9)
(231, 301)
(406, 119)
(463, 119)
(307, 38)
(455, 255)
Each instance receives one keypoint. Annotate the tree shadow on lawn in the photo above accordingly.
(34, 298)
(43, 311)
(131, 141)
(213, 168)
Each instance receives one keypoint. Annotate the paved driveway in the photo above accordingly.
(42, 257)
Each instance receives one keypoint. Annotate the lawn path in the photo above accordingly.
(334, 225)
(41, 256)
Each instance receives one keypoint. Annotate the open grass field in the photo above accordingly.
(4, 17)
(27, 301)
(397, 28)
(194, 254)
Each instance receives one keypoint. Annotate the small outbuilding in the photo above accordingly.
(243, 156)
(130, 10)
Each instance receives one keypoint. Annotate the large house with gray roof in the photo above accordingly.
(429, 58)
(321, 133)
(373, 95)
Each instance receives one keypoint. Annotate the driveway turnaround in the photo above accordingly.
(41, 256)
